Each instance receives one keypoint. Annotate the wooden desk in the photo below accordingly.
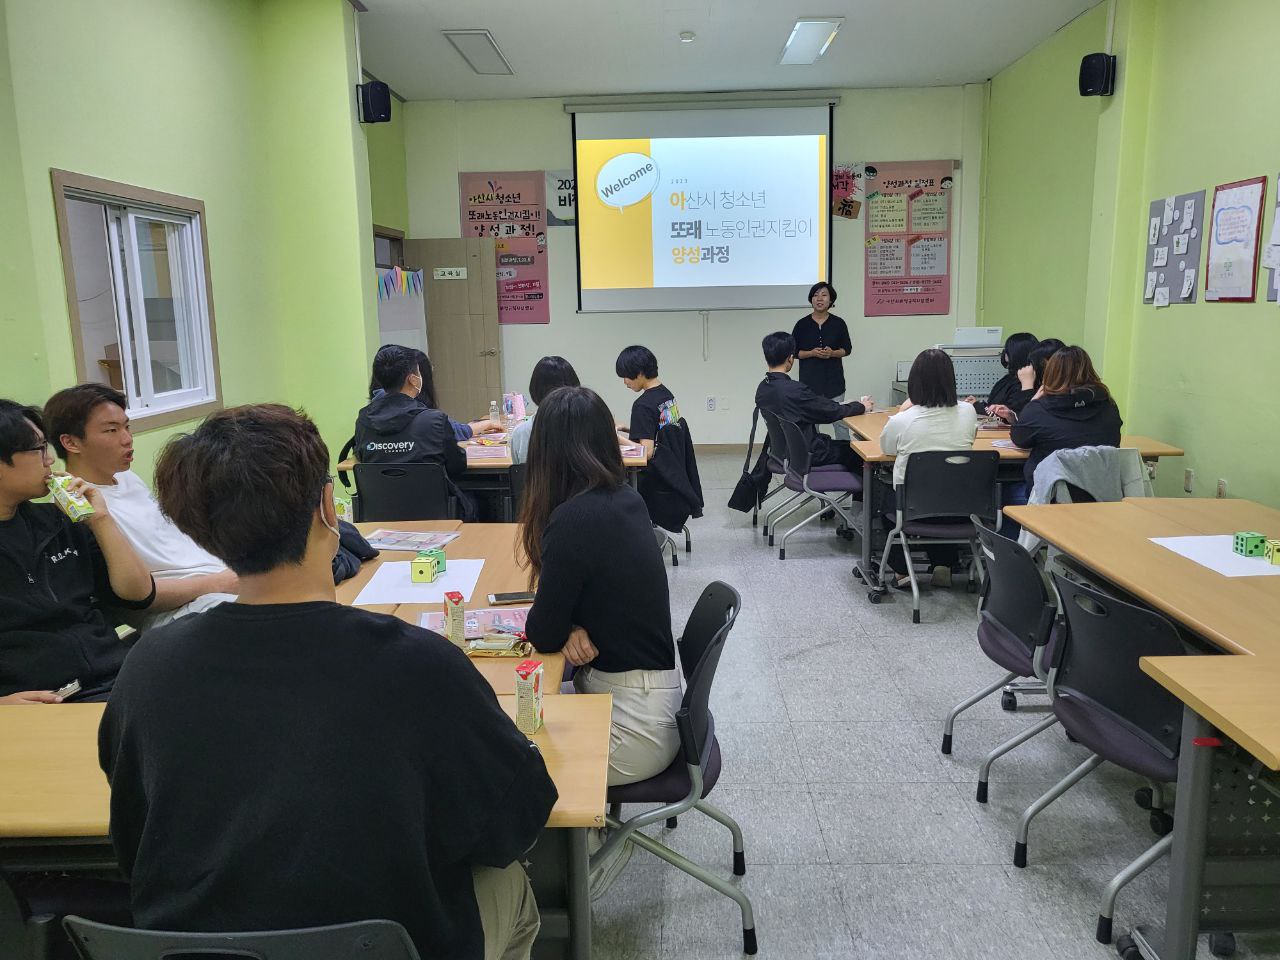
(498, 463)
(1237, 695)
(53, 786)
(1235, 614)
(869, 448)
(495, 543)
(348, 590)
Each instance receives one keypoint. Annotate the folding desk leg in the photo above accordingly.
(579, 896)
(1190, 840)
(863, 566)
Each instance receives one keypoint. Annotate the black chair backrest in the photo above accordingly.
(1097, 661)
(777, 440)
(366, 940)
(951, 483)
(518, 473)
(403, 491)
(798, 455)
(348, 450)
(700, 647)
(1014, 594)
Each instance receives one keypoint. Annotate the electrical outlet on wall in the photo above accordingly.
(1188, 478)
(1222, 489)
(711, 404)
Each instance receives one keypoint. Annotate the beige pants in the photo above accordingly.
(508, 913)
(643, 739)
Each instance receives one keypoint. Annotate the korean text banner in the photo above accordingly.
(908, 238)
(511, 208)
(716, 213)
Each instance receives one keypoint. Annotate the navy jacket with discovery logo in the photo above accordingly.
(51, 588)
(395, 428)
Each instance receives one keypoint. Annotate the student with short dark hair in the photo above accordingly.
(548, 374)
(602, 597)
(929, 419)
(396, 428)
(822, 343)
(90, 430)
(1007, 392)
(656, 406)
(286, 761)
(427, 397)
(55, 576)
(1074, 409)
(785, 398)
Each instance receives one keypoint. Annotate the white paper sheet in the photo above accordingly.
(1161, 257)
(391, 584)
(1004, 444)
(1216, 553)
(1151, 286)
(1162, 296)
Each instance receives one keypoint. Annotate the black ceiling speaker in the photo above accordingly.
(1098, 75)
(375, 102)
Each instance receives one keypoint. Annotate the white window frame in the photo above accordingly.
(126, 207)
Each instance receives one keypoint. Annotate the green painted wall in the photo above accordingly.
(387, 182)
(1190, 112)
(1041, 137)
(25, 370)
(166, 94)
(1191, 365)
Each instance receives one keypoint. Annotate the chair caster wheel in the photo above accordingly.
(844, 533)
(1142, 797)
(875, 596)
(1009, 701)
(857, 575)
(1161, 823)
(1127, 949)
(1222, 944)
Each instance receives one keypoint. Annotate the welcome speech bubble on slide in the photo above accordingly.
(626, 179)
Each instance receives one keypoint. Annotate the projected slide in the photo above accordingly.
(701, 222)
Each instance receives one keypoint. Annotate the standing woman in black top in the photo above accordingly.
(822, 343)
(602, 596)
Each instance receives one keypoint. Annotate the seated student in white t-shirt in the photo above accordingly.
(930, 419)
(549, 373)
(89, 429)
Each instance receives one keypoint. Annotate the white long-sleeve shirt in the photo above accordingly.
(921, 429)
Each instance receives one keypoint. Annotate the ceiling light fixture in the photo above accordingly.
(687, 36)
(479, 49)
(809, 40)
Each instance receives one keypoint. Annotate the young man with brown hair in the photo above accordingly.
(284, 761)
(89, 429)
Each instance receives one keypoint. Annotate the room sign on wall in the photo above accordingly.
(449, 273)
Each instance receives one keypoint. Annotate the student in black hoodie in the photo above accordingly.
(1008, 390)
(54, 574)
(285, 761)
(396, 428)
(791, 400)
(1072, 409)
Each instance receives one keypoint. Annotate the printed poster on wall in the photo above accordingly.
(562, 198)
(1234, 232)
(846, 190)
(512, 208)
(908, 238)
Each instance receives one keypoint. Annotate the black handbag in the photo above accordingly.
(747, 493)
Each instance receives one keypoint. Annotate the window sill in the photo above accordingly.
(140, 422)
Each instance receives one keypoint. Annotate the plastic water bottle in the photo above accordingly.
(493, 411)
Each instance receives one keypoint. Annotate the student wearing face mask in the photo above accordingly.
(383, 750)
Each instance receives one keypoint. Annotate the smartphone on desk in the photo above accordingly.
(502, 599)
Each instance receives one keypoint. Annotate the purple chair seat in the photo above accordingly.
(775, 467)
(671, 784)
(821, 480)
(942, 529)
(1003, 648)
(1112, 740)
